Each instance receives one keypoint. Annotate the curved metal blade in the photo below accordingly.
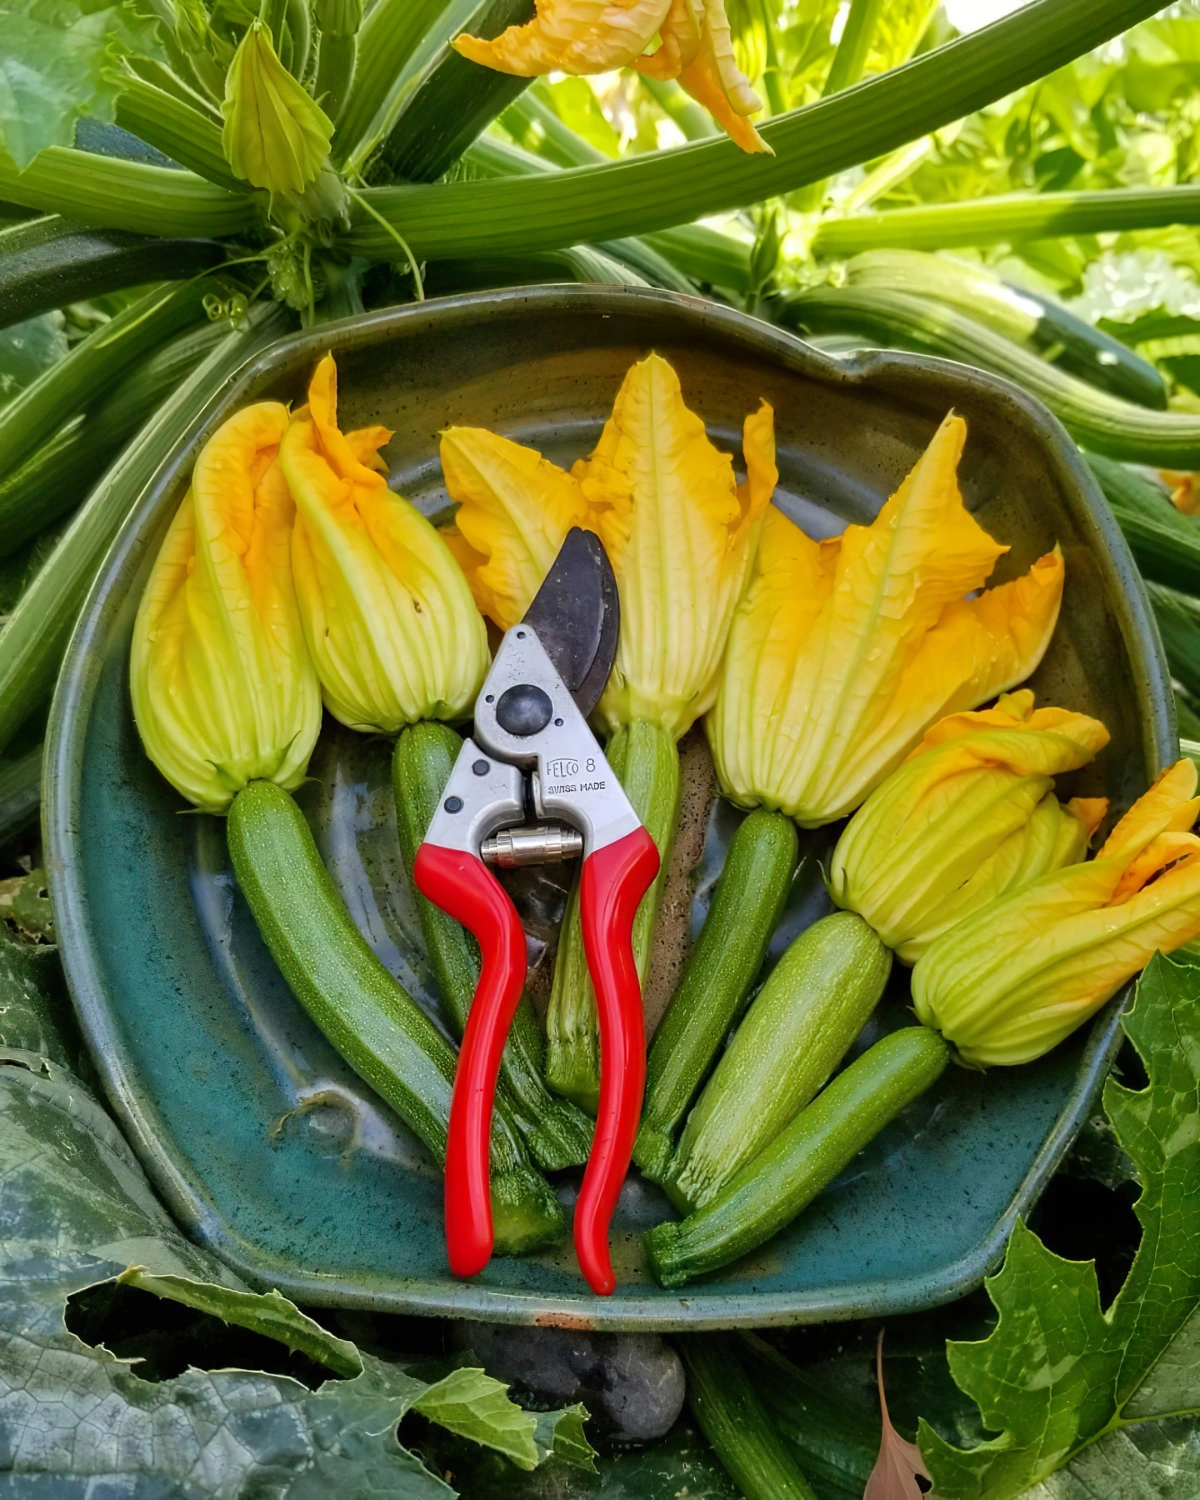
(577, 616)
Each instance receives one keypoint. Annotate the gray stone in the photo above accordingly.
(632, 1383)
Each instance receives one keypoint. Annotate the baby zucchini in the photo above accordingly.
(775, 1186)
(816, 1001)
(375, 1025)
(720, 971)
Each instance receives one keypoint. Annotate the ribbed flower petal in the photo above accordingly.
(849, 689)
(714, 80)
(679, 38)
(677, 527)
(680, 533)
(223, 688)
(387, 613)
(515, 509)
(969, 815)
(570, 36)
(276, 135)
(1012, 980)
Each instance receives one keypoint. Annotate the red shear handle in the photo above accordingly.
(462, 885)
(614, 881)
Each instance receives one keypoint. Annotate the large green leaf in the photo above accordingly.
(61, 60)
(76, 1212)
(1058, 1372)
(1154, 1461)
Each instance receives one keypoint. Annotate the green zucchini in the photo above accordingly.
(20, 792)
(834, 1439)
(1096, 419)
(390, 35)
(1178, 617)
(1027, 318)
(645, 760)
(363, 1012)
(48, 262)
(35, 635)
(558, 1135)
(55, 478)
(734, 1420)
(816, 1000)
(822, 1140)
(94, 364)
(716, 983)
(1165, 544)
(453, 101)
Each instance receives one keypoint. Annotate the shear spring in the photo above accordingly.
(543, 844)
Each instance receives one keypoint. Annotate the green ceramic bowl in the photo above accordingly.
(261, 1141)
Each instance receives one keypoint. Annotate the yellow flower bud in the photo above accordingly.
(843, 652)
(969, 815)
(1018, 976)
(677, 527)
(223, 688)
(387, 613)
(276, 135)
(598, 36)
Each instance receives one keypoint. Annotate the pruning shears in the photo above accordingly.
(532, 756)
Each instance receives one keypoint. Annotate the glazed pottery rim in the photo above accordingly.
(706, 1306)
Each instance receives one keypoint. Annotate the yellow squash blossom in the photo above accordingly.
(678, 528)
(680, 532)
(223, 688)
(969, 815)
(1013, 980)
(387, 613)
(515, 508)
(597, 36)
(843, 652)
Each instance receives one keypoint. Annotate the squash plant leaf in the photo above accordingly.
(78, 1219)
(62, 60)
(1059, 1373)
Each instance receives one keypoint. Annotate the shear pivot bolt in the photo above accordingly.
(524, 709)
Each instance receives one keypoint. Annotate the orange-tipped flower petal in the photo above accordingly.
(1019, 975)
(680, 533)
(570, 36)
(677, 527)
(842, 653)
(223, 688)
(387, 613)
(970, 815)
(515, 509)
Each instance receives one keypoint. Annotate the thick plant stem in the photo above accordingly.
(779, 1183)
(736, 1423)
(95, 363)
(850, 60)
(645, 760)
(720, 971)
(1008, 217)
(641, 193)
(558, 1135)
(35, 636)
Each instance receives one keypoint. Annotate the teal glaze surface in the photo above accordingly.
(260, 1139)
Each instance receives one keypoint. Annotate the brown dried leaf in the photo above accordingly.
(899, 1464)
